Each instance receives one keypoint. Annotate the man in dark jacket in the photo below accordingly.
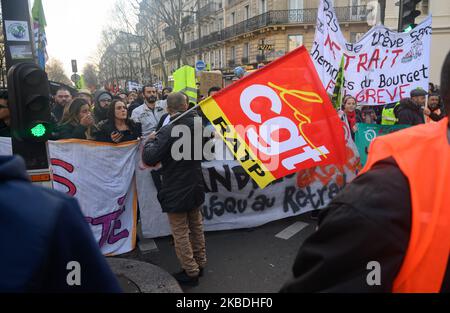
(182, 192)
(62, 99)
(45, 241)
(410, 110)
(370, 220)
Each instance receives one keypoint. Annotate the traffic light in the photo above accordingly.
(29, 103)
(407, 14)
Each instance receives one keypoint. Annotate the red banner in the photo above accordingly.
(279, 119)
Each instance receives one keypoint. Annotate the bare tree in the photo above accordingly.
(171, 12)
(90, 74)
(55, 72)
(151, 23)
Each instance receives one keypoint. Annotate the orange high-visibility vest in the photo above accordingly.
(423, 155)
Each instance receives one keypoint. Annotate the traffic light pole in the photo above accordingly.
(400, 17)
(19, 48)
(17, 32)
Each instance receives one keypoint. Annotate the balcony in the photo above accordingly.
(171, 53)
(156, 61)
(286, 17)
(188, 20)
(211, 38)
(273, 18)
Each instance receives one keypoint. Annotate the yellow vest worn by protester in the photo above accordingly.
(388, 116)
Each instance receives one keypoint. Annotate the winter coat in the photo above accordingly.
(360, 225)
(5, 131)
(69, 131)
(42, 230)
(105, 128)
(57, 112)
(408, 113)
(182, 186)
(136, 103)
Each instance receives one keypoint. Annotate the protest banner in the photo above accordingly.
(382, 67)
(132, 85)
(278, 120)
(233, 200)
(366, 133)
(99, 175)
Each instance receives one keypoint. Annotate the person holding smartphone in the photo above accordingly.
(118, 127)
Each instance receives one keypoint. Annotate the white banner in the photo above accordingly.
(382, 67)
(101, 175)
(234, 201)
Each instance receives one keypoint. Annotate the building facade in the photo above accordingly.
(230, 33)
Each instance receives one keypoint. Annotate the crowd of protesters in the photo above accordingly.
(101, 116)
(413, 110)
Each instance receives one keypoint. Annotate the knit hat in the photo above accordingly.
(104, 96)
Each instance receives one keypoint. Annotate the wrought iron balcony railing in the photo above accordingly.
(271, 18)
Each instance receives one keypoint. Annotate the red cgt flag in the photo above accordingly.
(279, 119)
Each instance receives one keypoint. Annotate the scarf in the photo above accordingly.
(351, 117)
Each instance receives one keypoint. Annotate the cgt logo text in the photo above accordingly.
(265, 137)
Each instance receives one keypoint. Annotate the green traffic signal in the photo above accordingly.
(409, 28)
(39, 130)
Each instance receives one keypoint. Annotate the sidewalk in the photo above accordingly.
(142, 277)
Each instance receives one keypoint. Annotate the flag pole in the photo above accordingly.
(180, 116)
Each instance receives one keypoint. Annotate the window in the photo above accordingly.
(233, 53)
(262, 6)
(355, 37)
(233, 18)
(355, 8)
(247, 14)
(294, 41)
(295, 4)
(246, 51)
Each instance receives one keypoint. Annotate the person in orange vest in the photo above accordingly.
(388, 230)
(434, 112)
